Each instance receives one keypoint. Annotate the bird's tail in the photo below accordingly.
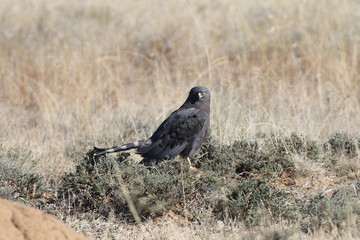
(124, 147)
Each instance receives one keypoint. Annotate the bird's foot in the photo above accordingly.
(190, 166)
(193, 168)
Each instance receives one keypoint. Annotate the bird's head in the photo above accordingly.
(199, 94)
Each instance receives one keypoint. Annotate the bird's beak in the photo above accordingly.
(201, 94)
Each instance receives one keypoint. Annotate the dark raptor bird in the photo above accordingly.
(182, 133)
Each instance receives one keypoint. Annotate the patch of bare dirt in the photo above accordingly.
(19, 222)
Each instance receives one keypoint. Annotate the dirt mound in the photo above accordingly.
(18, 221)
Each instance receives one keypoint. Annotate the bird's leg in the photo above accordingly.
(190, 166)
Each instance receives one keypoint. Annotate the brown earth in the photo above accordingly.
(19, 222)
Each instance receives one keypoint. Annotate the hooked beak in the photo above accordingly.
(201, 94)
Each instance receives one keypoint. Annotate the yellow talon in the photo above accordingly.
(193, 168)
(190, 166)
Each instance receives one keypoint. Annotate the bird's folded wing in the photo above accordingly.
(174, 134)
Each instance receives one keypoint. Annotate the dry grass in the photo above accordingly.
(74, 74)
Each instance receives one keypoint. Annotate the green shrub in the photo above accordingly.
(243, 158)
(342, 143)
(253, 201)
(95, 186)
(320, 211)
(295, 144)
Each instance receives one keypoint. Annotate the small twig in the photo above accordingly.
(126, 194)
(183, 191)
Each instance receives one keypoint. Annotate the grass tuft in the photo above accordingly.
(16, 181)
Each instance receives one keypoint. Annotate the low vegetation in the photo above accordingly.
(252, 182)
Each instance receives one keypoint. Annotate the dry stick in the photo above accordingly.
(183, 191)
(126, 194)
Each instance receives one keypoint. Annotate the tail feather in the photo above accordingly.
(124, 147)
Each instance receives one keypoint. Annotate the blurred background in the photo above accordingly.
(74, 74)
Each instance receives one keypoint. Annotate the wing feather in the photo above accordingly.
(175, 134)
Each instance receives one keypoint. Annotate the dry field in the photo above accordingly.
(74, 74)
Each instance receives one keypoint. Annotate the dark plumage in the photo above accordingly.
(182, 133)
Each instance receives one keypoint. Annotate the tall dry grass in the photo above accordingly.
(74, 74)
